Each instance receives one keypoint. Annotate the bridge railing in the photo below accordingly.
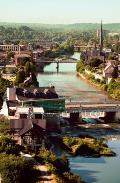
(92, 105)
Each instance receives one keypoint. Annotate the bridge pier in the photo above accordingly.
(111, 117)
(75, 117)
(57, 67)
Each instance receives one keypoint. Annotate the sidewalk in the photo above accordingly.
(45, 177)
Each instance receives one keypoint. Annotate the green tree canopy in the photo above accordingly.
(9, 146)
(15, 169)
(94, 62)
(20, 77)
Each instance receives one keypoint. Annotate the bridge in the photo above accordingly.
(111, 110)
(88, 107)
(57, 61)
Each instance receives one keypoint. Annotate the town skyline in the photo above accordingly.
(49, 12)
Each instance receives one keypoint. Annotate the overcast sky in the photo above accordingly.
(59, 11)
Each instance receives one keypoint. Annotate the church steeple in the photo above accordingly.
(101, 36)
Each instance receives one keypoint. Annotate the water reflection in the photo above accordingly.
(68, 84)
(99, 170)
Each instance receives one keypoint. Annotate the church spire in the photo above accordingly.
(101, 37)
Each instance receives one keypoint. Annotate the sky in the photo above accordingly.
(59, 11)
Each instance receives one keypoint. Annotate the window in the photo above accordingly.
(38, 116)
(23, 116)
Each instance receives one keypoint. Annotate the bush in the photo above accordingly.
(15, 169)
(80, 67)
(51, 168)
(98, 80)
(4, 126)
(61, 162)
(70, 178)
(47, 156)
(104, 87)
(94, 62)
(9, 146)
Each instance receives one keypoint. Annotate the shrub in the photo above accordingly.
(4, 126)
(15, 169)
(9, 146)
(71, 178)
(51, 168)
(47, 156)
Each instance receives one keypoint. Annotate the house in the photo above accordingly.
(32, 110)
(28, 126)
(110, 71)
(45, 97)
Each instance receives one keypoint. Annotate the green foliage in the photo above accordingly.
(70, 141)
(9, 146)
(24, 72)
(114, 89)
(27, 68)
(20, 77)
(4, 126)
(68, 177)
(57, 166)
(51, 168)
(47, 156)
(10, 55)
(86, 146)
(15, 169)
(94, 62)
(3, 85)
(116, 94)
(80, 67)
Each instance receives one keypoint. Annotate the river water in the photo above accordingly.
(99, 170)
(68, 84)
(92, 170)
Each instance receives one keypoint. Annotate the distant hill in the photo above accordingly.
(112, 27)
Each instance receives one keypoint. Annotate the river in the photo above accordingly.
(99, 170)
(68, 84)
(92, 170)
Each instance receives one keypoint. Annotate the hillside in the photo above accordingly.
(78, 26)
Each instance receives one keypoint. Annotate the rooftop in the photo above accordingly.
(36, 93)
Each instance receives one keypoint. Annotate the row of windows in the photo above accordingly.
(9, 48)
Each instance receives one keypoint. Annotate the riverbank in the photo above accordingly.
(84, 145)
(50, 164)
(96, 85)
(99, 85)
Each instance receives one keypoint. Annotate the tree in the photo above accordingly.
(20, 77)
(15, 169)
(4, 83)
(27, 68)
(94, 62)
(10, 55)
(9, 146)
(4, 126)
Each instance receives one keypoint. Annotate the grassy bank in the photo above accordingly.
(58, 167)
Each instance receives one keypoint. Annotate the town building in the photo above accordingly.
(15, 48)
(110, 71)
(27, 107)
(12, 47)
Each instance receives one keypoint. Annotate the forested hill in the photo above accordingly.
(78, 26)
